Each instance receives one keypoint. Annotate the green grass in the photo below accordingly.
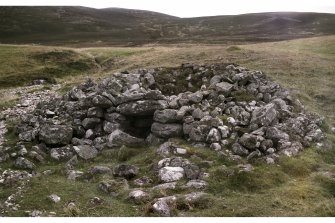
(106, 56)
(4, 104)
(292, 188)
(20, 65)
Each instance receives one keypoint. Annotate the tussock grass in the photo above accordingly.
(20, 65)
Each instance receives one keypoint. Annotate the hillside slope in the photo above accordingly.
(115, 26)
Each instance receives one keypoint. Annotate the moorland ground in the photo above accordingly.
(297, 186)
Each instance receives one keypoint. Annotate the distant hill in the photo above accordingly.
(116, 26)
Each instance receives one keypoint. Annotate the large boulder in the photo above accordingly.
(126, 171)
(138, 195)
(265, 115)
(144, 107)
(165, 116)
(86, 152)
(23, 163)
(250, 141)
(199, 133)
(240, 114)
(102, 102)
(62, 153)
(237, 149)
(120, 138)
(56, 134)
(224, 87)
(195, 97)
(170, 174)
(213, 135)
(163, 205)
(276, 134)
(95, 112)
(90, 123)
(167, 130)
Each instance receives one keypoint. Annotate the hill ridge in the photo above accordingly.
(71, 25)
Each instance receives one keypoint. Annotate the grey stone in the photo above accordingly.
(56, 134)
(102, 101)
(148, 80)
(183, 111)
(114, 187)
(195, 97)
(215, 80)
(89, 134)
(125, 170)
(166, 116)
(264, 116)
(213, 136)
(23, 163)
(198, 114)
(197, 184)
(76, 94)
(254, 154)
(180, 151)
(250, 141)
(120, 138)
(237, 149)
(90, 123)
(162, 208)
(153, 140)
(86, 152)
(245, 168)
(74, 174)
(194, 196)
(110, 127)
(26, 136)
(165, 149)
(95, 112)
(170, 174)
(192, 171)
(69, 165)
(292, 150)
(215, 146)
(275, 134)
(224, 87)
(138, 194)
(54, 198)
(36, 156)
(224, 130)
(165, 186)
(145, 107)
(62, 153)
(143, 181)
(115, 118)
(167, 130)
(199, 133)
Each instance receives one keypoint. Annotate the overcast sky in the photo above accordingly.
(189, 8)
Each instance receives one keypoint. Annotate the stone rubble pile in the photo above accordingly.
(226, 108)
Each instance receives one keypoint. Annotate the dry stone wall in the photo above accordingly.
(227, 108)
